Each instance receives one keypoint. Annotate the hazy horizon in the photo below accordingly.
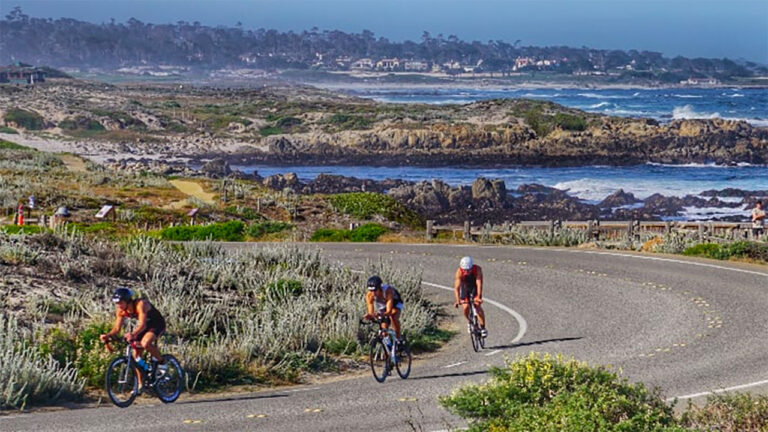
(715, 29)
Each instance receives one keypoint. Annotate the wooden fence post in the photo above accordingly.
(701, 232)
(430, 223)
(667, 228)
(467, 231)
(630, 227)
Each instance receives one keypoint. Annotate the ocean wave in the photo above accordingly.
(600, 96)
(687, 112)
(685, 96)
(736, 95)
(599, 105)
(706, 213)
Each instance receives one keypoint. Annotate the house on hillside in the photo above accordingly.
(416, 65)
(20, 73)
(388, 64)
(363, 64)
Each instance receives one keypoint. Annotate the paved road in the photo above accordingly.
(687, 326)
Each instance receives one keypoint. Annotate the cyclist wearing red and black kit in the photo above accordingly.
(468, 282)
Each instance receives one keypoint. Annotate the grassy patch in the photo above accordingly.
(429, 340)
(270, 130)
(8, 130)
(365, 205)
(739, 249)
(225, 231)
(24, 229)
(341, 121)
(364, 233)
(81, 123)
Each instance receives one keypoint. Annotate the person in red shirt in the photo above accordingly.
(468, 282)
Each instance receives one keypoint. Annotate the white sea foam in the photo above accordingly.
(601, 96)
(706, 213)
(687, 96)
(599, 105)
(687, 112)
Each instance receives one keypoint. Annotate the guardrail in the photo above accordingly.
(603, 230)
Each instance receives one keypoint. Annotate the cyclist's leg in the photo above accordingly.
(480, 316)
(465, 307)
(136, 354)
(396, 323)
(149, 342)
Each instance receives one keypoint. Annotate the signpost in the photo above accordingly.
(106, 211)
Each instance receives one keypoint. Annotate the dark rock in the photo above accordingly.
(216, 168)
(281, 181)
(619, 199)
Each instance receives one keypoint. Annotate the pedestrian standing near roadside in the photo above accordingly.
(758, 220)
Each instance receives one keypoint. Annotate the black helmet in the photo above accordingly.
(122, 294)
(374, 282)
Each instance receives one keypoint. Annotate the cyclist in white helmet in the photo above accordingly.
(469, 282)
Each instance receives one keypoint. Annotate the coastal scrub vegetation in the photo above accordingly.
(258, 316)
(541, 393)
(737, 250)
(366, 205)
(26, 119)
(364, 233)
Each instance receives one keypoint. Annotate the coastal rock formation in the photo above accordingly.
(618, 199)
(216, 168)
(280, 182)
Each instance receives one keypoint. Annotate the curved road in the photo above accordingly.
(688, 326)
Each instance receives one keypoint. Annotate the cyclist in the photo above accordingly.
(468, 281)
(384, 300)
(150, 327)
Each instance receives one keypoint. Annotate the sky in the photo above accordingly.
(702, 28)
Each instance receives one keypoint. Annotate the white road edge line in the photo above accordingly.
(454, 365)
(493, 353)
(522, 324)
(721, 390)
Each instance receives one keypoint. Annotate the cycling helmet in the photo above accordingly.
(374, 282)
(466, 263)
(122, 294)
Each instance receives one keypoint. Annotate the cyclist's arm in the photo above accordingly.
(456, 285)
(115, 327)
(369, 305)
(479, 283)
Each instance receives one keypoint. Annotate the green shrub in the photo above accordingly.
(59, 344)
(535, 119)
(570, 122)
(92, 358)
(268, 227)
(364, 233)
(8, 145)
(349, 122)
(367, 233)
(246, 213)
(270, 130)
(287, 122)
(8, 130)
(284, 288)
(739, 249)
(365, 205)
(341, 346)
(26, 119)
(541, 393)
(81, 123)
(225, 231)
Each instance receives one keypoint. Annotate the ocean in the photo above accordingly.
(589, 183)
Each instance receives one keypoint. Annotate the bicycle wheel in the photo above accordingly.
(122, 382)
(403, 364)
(379, 360)
(168, 386)
(474, 336)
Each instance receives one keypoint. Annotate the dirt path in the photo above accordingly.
(192, 189)
(73, 162)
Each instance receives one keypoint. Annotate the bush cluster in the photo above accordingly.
(29, 120)
(541, 393)
(739, 249)
(364, 233)
(224, 231)
(366, 205)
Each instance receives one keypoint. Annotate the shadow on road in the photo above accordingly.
(233, 399)
(448, 375)
(539, 342)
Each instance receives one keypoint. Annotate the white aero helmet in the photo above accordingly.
(466, 263)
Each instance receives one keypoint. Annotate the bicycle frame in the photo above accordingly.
(131, 361)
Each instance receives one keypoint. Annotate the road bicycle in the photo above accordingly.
(475, 331)
(386, 353)
(122, 377)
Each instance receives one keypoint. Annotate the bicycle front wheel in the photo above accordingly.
(403, 363)
(170, 383)
(474, 336)
(122, 382)
(379, 360)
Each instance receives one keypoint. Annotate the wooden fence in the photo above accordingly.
(604, 230)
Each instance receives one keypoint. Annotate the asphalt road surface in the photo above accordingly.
(687, 326)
